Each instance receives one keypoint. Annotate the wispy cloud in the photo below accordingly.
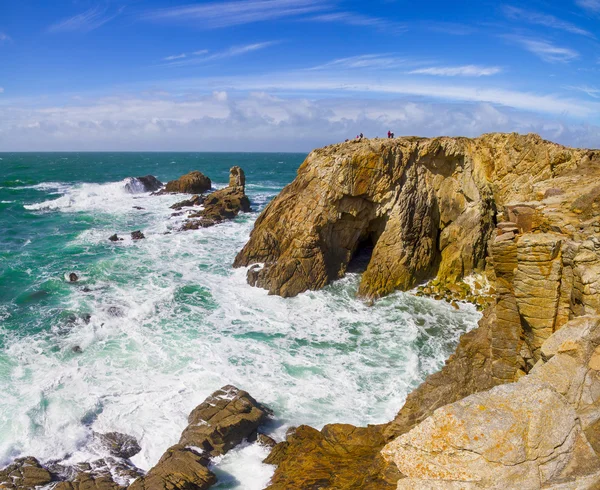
(591, 5)
(1, 90)
(545, 49)
(591, 91)
(531, 17)
(175, 57)
(204, 56)
(379, 61)
(451, 28)
(353, 19)
(458, 71)
(86, 21)
(226, 14)
(4, 37)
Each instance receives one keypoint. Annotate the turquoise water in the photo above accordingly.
(155, 326)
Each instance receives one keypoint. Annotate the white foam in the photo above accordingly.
(171, 323)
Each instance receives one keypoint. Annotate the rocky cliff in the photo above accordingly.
(519, 401)
(426, 207)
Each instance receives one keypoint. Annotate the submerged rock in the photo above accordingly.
(193, 183)
(72, 277)
(148, 183)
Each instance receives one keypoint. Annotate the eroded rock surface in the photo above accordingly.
(24, 474)
(193, 183)
(223, 204)
(538, 432)
(148, 183)
(427, 206)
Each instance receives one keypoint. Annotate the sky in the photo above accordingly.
(291, 75)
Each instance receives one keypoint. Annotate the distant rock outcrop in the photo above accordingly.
(223, 204)
(193, 183)
(148, 183)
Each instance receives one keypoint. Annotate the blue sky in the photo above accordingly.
(289, 75)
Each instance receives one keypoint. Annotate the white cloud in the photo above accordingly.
(1, 90)
(546, 20)
(200, 52)
(258, 121)
(353, 19)
(233, 13)
(205, 57)
(458, 71)
(86, 21)
(546, 50)
(591, 5)
(379, 61)
(591, 91)
(175, 57)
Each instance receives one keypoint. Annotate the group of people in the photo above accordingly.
(361, 136)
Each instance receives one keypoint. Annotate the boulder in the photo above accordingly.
(237, 177)
(193, 201)
(115, 238)
(193, 183)
(224, 420)
(118, 444)
(137, 235)
(148, 183)
(24, 474)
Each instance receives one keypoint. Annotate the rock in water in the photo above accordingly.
(24, 474)
(193, 201)
(114, 238)
(428, 208)
(193, 183)
(118, 445)
(222, 204)
(137, 235)
(73, 277)
(148, 183)
(222, 421)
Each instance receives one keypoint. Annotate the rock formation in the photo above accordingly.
(428, 207)
(148, 183)
(193, 183)
(542, 431)
(221, 422)
(521, 211)
(222, 204)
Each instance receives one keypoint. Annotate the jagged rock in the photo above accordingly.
(530, 434)
(137, 235)
(73, 277)
(24, 474)
(427, 206)
(193, 183)
(193, 201)
(179, 468)
(223, 420)
(148, 183)
(87, 481)
(117, 444)
(114, 238)
(340, 456)
(223, 204)
(265, 440)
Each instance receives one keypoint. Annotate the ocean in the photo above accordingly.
(154, 326)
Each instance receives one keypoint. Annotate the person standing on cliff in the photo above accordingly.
(389, 134)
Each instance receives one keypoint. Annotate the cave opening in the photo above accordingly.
(366, 244)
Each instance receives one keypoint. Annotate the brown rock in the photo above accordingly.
(426, 206)
(193, 201)
(137, 235)
(223, 420)
(24, 474)
(193, 183)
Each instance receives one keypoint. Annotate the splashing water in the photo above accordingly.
(154, 326)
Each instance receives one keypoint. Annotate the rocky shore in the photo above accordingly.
(509, 222)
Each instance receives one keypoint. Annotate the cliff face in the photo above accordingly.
(428, 207)
(518, 403)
